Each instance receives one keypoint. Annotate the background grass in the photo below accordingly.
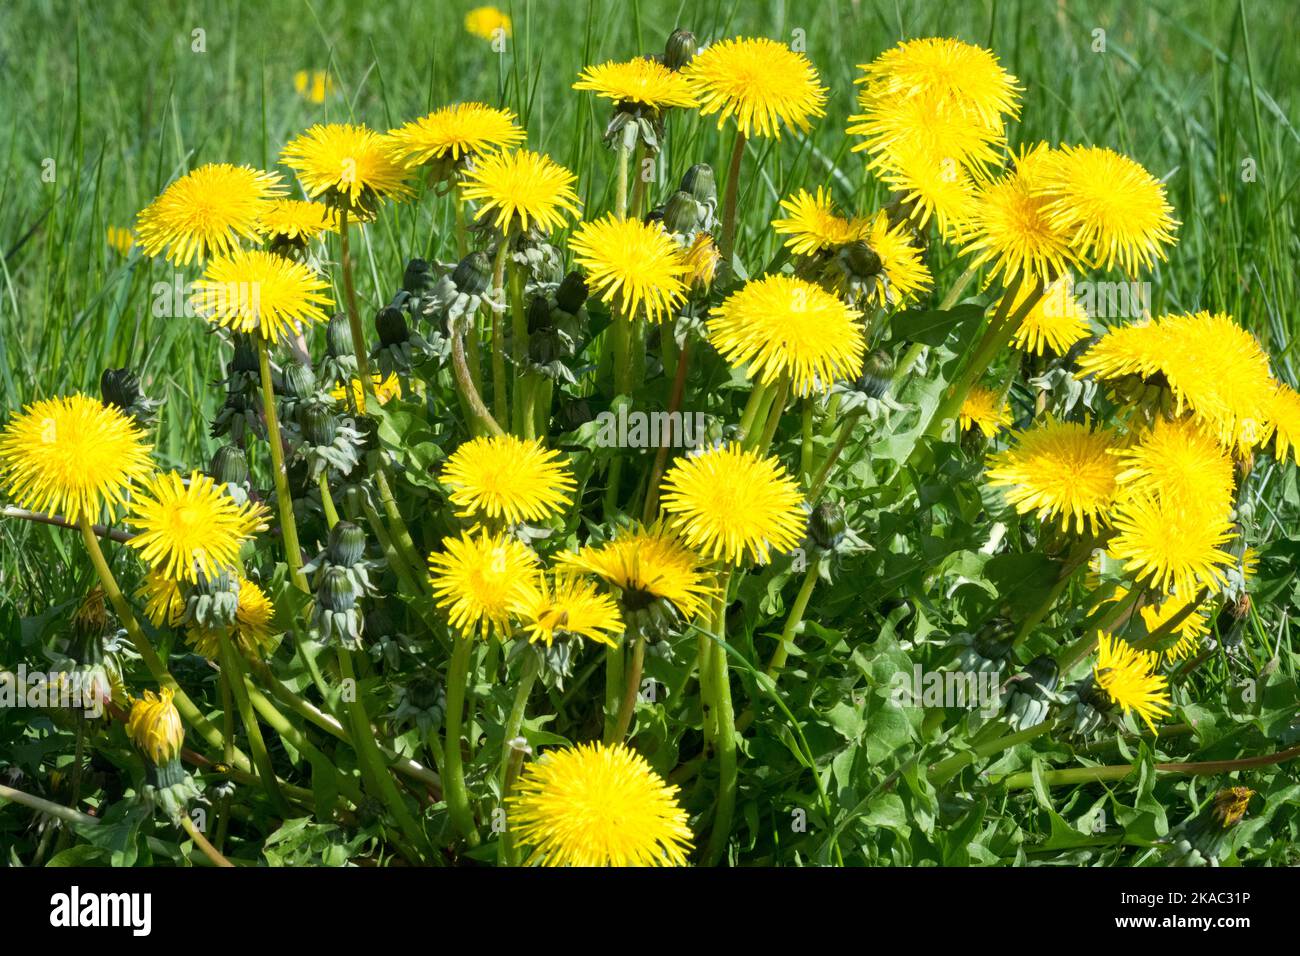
(102, 109)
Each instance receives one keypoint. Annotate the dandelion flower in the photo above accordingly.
(931, 185)
(520, 187)
(783, 325)
(1180, 462)
(485, 22)
(207, 211)
(1063, 469)
(1054, 323)
(702, 259)
(1189, 631)
(761, 83)
(164, 604)
(1128, 677)
(72, 456)
(568, 605)
(985, 409)
(509, 478)
(904, 269)
(923, 122)
(813, 224)
(644, 82)
(349, 165)
(385, 389)
(476, 578)
(119, 239)
(296, 220)
(1113, 209)
(313, 85)
(155, 727)
(726, 502)
(1230, 805)
(648, 565)
(1284, 415)
(598, 805)
(187, 528)
(1173, 545)
(635, 264)
(250, 290)
(254, 626)
(455, 133)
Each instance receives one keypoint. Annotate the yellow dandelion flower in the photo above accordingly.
(254, 627)
(1174, 546)
(933, 185)
(119, 239)
(923, 122)
(1189, 631)
(1128, 677)
(206, 212)
(455, 133)
(636, 265)
(598, 805)
(348, 164)
(783, 325)
(476, 578)
(726, 502)
(813, 224)
(1063, 469)
(702, 259)
(1112, 208)
(1180, 462)
(187, 528)
(164, 605)
(566, 605)
(986, 409)
(648, 565)
(155, 727)
(385, 390)
(313, 85)
(488, 23)
(72, 456)
(296, 220)
(250, 290)
(900, 260)
(1054, 323)
(1284, 416)
(520, 187)
(642, 81)
(507, 478)
(760, 83)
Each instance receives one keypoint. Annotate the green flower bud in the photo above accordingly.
(347, 544)
(473, 275)
(877, 373)
(336, 592)
(826, 527)
(245, 357)
(299, 380)
(390, 323)
(572, 293)
(121, 388)
(539, 315)
(229, 465)
(418, 277)
(318, 425)
(699, 182)
(861, 260)
(680, 49)
(338, 336)
(682, 213)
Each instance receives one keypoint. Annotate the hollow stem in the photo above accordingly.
(727, 243)
(284, 501)
(453, 768)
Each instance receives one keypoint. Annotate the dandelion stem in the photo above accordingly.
(518, 709)
(256, 743)
(727, 243)
(327, 501)
(500, 403)
(354, 313)
(200, 841)
(1072, 775)
(674, 406)
(725, 741)
(633, 688)
(284, 501)
(453, 769)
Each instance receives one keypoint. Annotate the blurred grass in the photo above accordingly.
(116, 102)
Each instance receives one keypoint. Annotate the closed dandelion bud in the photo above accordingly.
(682, 213)
(299, 380)
(229, 465)
(826, 526)
(699, 182)
(245, 357)
(680, 49)
(121, 387)
(318, 425)
(877, 373)
(213, 602)
(336, 592)
(539, 315)
(418, 277)
(347, 544)
(861, 260)
(338, 336)
(155, 728)
(89, 622)
(473, 276)
(391, 326)
(572, 293)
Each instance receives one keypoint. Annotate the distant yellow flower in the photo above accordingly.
(598, 805)
(520, 187)
(313, 85)
(155, 727)
(760, 83)
(260, 292)
(702, 260)
(814, 225)
(1113, 209)
(484, 22)
(636, 265)
(349, 165)
(647, 565)
(1172, 545)
(455, 133)
(207, 211)
(507, 478)
(1059, 469)
(568, 605)
(1128, 677)
(72, 456)
(1284, 415)
(295, 220)
(726, 502)
(253, 631)
(985, 409)
(384, 390)
(642, 81)
(476, 578)
(187, 528)
(1054, 323)
(782, 325)
(119, 239)
(164, 605)
(1180, 462)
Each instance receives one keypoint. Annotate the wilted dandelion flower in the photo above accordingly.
(566, 605)
(1113, 209)
(598, 805)
(347, 164)
(155, 727)
(293, 220)
(1054, 323)
(760, 83)
(1284, 416)
(187, 528)
(1230, 805)
(119, 239)
(313, 85)
(520, 187)
(642, 81)
(1173, 545)
(1180, 462)
(1059, 469)
(484, 22)
(476, 577)
(637, 265)
(455, 133)
(72, 456)
(783, 325)
(254, 626)
(250, 290)
(726, 502)
(509, 478)
(207, 211)
(1128, 677)
(648, 565)
(986, 409)
(813, 224)
(164, 605)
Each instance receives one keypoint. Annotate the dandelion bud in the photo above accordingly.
(418, 277)
(245, 357)
(154, 726)
(339, 336)
(121, 387)
(861, 260)
(682, 213)
(299, 380)
(88, 624)
(229, 465)
(572, 293)
(826, 526)
(318, 425)
(391, 326)
(336, 592)
(699, 182)
(347, 544)
(473, 275)
(539, 315)
(877, 372)
(680, 49)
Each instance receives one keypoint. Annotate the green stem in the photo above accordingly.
(807, 448)
(500, 403)
(518, 709)
(288, 524)
(674, 406)
(1072, 775)
(466, 385)
(327, 501)
(841, 440)
(354, 312)
(628, 707)
(774, 414)
(200, 841)
(943, 771)
(792, 622)
(725, 741)
(453, 769)
(759, 396)
(256, 743)
(66, 814)
(727, 243)
(519, 344)
(615, 668)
